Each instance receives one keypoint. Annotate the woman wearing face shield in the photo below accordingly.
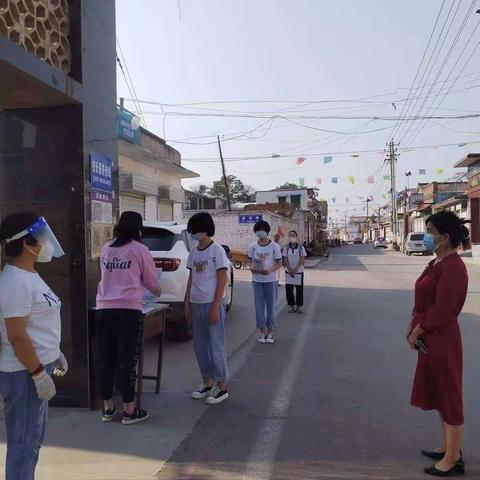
(30, 331)
(440, 294)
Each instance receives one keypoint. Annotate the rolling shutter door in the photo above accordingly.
(165, 211)
(132, 203)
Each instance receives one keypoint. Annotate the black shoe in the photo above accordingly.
(217, 396)
(108, 415)
(456, 471)
(135, 417)
(437, 455)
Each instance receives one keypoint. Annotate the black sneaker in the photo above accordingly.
(135, 417)
(202, 392)
(108, 415)
(217, 396)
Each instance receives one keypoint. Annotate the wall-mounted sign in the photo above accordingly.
(242, 219)
(102, 207)
(101, 172)
(128, 126)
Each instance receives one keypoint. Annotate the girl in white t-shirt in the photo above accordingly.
(294, 259)
(30, 339)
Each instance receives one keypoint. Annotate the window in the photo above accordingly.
(282, 200)
(296, 200)
(159, 239)
(417, 237)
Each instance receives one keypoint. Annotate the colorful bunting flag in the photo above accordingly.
(384, 196)
(334, 199)
(422, 172)
(327, 160)
(302, 182)
(318, 181)
(440, 171)
(371, 179)
(387, 177)
(370, 198)
(334, 179)
(300, 160)
(352, 180)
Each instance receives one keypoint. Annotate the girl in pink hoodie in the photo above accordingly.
(127, 268)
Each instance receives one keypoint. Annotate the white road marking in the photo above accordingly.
(261, 461)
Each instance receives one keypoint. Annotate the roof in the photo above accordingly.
(451, 201)
(284, 190)
(173, 227)
(468, 160)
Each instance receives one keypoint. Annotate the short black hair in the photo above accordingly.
(447, 222)
(262, 225)
(294, 232)
(13, 224)
(201, 222)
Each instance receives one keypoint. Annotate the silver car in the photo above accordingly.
(414, 244)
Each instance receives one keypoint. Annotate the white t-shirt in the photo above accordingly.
(25, 294)
(293, 255)
(204, 265)
(263, 257)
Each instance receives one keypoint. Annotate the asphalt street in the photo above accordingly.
(330, 399)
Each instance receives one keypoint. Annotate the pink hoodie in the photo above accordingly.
(126, 272)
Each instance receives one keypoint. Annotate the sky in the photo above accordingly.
(288, 63)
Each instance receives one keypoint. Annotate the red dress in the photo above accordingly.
(440, 294)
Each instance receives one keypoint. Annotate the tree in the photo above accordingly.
(201, 188)
(288, 186)
(239, 192)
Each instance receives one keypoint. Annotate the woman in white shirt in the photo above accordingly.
(30, 339)
(294, 259)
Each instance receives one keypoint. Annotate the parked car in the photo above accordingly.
(169, 244)
(380, 242)
(414, 244)
(358, 241)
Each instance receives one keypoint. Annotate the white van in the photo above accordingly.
(414, 244)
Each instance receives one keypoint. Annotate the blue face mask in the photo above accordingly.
(261, 234)
(197, 236)
(429, 242)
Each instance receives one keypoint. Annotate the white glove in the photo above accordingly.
(61, 366)
(45, 387)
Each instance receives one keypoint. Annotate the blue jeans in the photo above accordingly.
(25, 420)
(265, 294)
(210, 342)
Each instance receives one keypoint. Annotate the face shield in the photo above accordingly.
(43, 234)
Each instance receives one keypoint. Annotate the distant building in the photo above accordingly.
(195, 201)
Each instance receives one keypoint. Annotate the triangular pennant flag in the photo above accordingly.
(371, 179)
(300, 160)
(370, 198)
(334, 179)
(318, 181)
(302, 182)
(387, 177)
(352, 180)
(422, 171)
(327, 159)
(440, 171)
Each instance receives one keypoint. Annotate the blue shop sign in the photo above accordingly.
(127, 127)
(242, 219)
(101, 172)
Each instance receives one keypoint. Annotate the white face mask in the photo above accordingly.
(46, 253)
(293, 239)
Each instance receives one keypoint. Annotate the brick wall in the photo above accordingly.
(239, 236)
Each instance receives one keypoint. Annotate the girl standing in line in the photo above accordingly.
(265, 259)
(294, 259)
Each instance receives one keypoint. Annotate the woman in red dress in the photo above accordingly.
(440, 294)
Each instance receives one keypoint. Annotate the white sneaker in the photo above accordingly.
(270, 338)
(217, 396)
(202, 392)
(299, 309)
(263, 338)
(292, 309)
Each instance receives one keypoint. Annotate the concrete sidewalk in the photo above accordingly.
(79, 447)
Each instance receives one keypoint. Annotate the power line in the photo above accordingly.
(405, 108)
(442, 67)
(433, 54)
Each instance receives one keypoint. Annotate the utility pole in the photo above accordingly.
(225, 179)
(368, 219)
(346, 227)
(393, 183)
(405, 216)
